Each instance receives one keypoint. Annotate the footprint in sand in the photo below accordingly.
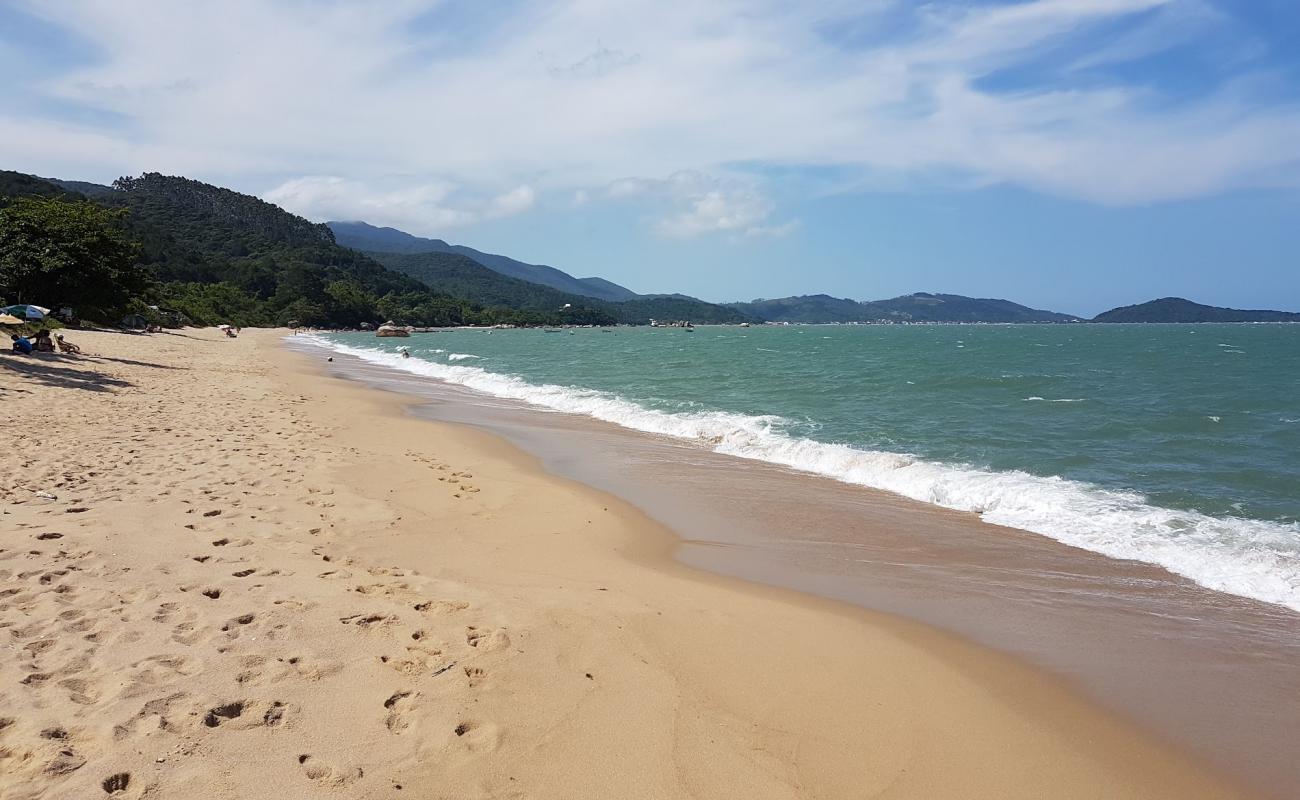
(232, 626)
(65, 761)
(327, 774)
(495, 640)
(311, 668)
(368, 620)
(398, 705)
(474, 675)
(416, 661)
(382, 589)
(245, 714)
(477, 736)
(440, 606)
(81, 691)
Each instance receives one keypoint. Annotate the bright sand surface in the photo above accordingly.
(247, 579)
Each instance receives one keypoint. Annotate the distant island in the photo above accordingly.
(924, 307)
(1176, 309)
(918, 307)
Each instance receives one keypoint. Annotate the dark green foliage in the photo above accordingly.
(214, 255)
(17, 184)
(204, 302)
(1176, 309)
(809, 308)
(62, 252)
(221, 256)
(460, 276)
(671, 307)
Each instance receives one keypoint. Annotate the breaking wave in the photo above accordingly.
(1258, 559)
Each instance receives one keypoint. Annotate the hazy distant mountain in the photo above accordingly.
(461, 276)
(93, 190)
(1176, 309)
(919, 307)
(363, 236)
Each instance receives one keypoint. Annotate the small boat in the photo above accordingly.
(554, 330)
(389, 329)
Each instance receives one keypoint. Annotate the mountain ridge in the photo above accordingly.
(464, 277)
(369, 238)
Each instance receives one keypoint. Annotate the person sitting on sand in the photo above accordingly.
(66, 346)
(43, 343)
(21, 344)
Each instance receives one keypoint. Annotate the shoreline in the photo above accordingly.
(1153, 647)
(259, 587)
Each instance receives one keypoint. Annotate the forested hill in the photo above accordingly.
(215, 255)
(1176, 309)
(464, 277)
(214, 215)
(371, 238)
(918, 307)
(812, 308)
(18, 184)
(927, 307)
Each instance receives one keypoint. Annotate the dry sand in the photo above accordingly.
(248, 579)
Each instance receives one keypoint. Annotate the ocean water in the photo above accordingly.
(1177, 445)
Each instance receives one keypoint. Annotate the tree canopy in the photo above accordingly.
(59, 252)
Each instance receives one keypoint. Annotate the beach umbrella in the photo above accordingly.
(26, 311)
(223, 327)
(9, 319)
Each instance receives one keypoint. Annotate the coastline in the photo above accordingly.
(1212, 673)
(581, 659)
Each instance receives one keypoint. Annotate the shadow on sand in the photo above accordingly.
(64, 372)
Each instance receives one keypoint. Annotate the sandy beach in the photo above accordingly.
(226, 574)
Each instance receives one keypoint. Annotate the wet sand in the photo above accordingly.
(224, 574)
(1216, 674)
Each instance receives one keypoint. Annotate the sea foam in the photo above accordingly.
(1258, 559)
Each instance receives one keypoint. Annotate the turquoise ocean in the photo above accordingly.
(1177, 445)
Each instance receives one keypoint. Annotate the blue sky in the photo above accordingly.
(1068, 154)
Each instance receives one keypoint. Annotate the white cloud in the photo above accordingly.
(692, 204)
(515, 201)
(486, 114)
(418, 208)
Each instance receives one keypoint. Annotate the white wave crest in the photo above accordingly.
(461, 356)
(1058, 400)
(1258, 559)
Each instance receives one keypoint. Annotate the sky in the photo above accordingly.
(1067, 154)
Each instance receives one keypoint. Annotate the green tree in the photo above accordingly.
(61, 253)
(349, 303)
